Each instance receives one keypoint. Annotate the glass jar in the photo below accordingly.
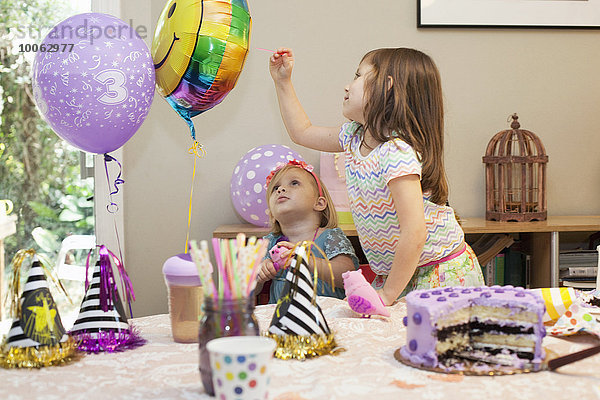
(234, 317)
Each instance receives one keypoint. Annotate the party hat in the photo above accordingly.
(36, 337)
(102, 324)
(298, 324)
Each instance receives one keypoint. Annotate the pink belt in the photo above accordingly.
(447, 258)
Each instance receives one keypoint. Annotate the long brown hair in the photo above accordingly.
(411, 108)
(329, 219)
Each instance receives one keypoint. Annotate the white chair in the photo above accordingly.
(73, 271)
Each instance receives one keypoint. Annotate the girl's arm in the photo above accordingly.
(296, 122)
(339, 264)
(408, 201)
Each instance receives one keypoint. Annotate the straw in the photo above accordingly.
(258, 255)
(205, 268)
(238, 263)
(235, 264)
(221, 271)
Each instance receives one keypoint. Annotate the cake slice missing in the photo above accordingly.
(448, 327)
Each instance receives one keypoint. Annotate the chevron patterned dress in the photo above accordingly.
(372, 206)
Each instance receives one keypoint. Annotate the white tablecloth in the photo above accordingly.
(367, 369)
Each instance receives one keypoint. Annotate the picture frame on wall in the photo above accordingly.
(571, 14)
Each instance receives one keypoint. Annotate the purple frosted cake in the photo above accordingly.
(498, 325)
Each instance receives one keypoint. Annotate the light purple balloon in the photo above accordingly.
(248, 182)
(93, 81)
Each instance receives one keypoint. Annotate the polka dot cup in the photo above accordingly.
(240, 366)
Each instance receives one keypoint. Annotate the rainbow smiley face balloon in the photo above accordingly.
(199, 49)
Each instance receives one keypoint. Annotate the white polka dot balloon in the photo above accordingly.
(248, 182)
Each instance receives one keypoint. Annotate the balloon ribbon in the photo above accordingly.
(118, 181)
(198, 151)
(108, 283)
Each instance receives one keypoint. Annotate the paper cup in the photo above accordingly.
(240, 366)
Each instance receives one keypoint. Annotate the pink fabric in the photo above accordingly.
(447, 258)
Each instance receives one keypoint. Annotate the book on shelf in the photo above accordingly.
(510, 267)
(583, 284)
(499, 260)
(515, 268)
(489, 273)
(527, 271)
(575, 258)
(578, 272)
(489, 245)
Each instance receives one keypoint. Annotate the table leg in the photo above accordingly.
(554, 254)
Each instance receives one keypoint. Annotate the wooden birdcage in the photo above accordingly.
(515, 176)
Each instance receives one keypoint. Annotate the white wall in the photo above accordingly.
(549, 77)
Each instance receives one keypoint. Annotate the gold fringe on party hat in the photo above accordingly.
(36, 337)
(298, 324)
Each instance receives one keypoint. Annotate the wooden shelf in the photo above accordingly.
(577, 223)
(543, 238)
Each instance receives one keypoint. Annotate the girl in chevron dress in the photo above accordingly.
(301, 209)
(395, 172)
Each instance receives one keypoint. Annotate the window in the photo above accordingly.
(39, 172)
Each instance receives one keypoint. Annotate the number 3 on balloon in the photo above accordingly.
(115, 91)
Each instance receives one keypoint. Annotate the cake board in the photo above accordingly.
(478, 368)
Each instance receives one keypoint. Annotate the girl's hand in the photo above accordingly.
(267, 271)
(281, 64)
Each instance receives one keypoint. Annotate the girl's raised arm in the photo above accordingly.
(296, 122)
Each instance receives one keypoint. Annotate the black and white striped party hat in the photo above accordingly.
(298, 324)
(92, 319)
(39, 323)
(102, 324)
(36, 337)
(297, 313)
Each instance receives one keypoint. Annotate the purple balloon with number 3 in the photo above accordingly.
(93, 81)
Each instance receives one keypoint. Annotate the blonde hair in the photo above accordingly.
(329, 218)
(409, 107)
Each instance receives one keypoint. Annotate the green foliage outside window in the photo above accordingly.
(39, 172)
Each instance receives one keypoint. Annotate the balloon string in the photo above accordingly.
(113, 207)
(124, 289)
(198, 151)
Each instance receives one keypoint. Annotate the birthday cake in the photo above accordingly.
(456, 326)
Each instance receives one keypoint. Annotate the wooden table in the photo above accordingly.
(543, 235)
(8, 226)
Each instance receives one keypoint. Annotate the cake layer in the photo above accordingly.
(501, 312)
(528, 341)
(453, 343)
(458, 317)
(478, 327)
